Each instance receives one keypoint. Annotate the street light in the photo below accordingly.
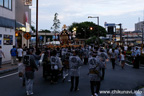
(95, 17)
(97, 23)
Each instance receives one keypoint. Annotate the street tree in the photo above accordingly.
(45, 31)
(56, 23)
(88, 29)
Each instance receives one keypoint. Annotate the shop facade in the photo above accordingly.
(7, 27)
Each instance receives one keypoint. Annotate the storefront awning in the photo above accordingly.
(6, 22)
(18, 25)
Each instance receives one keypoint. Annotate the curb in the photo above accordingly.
(8, 70)
(132, 65)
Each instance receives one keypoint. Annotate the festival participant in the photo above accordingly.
(95, 66)
(74, 63)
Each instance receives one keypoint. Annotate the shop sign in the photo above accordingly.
(28, 2)
(27, 36)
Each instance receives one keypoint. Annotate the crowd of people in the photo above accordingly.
(68, 62)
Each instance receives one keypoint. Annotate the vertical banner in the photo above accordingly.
(27, 24)
(26, 17)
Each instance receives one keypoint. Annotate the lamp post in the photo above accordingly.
(97, 24)
(36, 24)
(95, 17)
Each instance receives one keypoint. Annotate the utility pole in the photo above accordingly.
(98, 30)
(115, 33)
(127, 38)
(142, 41)
(36, 24)
(120, 33)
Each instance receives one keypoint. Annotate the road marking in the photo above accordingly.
(8, 75)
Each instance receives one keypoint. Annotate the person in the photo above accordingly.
(117, 55)
(133, 56)
(20, 53)
(30, 67)
(122, 60)
(13, 53)
(137, 57)
(95, 66)
(56, 66)
(85, 53)
(25, 50)
(125, 48)
(66, 67)
(74, 65)
(21, 70)
(37, 57)
(113, 57)
(1, 54)
(103, 57)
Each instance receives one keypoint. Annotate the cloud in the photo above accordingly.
(78, 10)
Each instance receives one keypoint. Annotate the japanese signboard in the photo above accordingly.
(28, 2)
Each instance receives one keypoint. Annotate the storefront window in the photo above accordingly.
(1, 2)
(6, 3)
(10, 4)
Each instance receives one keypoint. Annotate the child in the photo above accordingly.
(21, 70)
(122, 60)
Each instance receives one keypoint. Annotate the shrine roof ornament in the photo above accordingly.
(64, 26)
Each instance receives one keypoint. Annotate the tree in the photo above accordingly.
(83, 30)
(93, 40)
(56, 24)
(45, 31)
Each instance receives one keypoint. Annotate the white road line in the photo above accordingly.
(8, 75)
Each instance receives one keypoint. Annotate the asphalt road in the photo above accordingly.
(117, 79)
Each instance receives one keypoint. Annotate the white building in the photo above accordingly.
(139, 26)
(7, 27)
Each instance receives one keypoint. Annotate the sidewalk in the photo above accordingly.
(7, 68)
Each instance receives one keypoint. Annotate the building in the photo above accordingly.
(139, 26)
(132, 37)
(7, 27)
(14, 17)
(23, 22)
(43, 38)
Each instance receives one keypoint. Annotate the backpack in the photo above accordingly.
(26, 60)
